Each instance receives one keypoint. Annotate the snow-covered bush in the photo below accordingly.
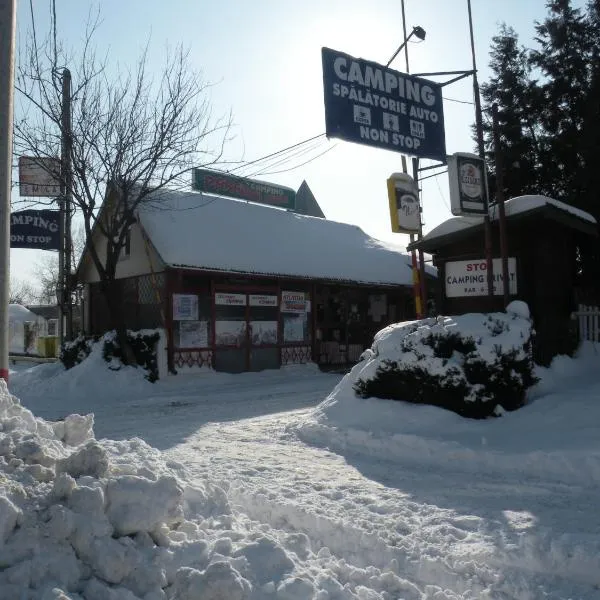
(470, 364)
(143, 345)
(75, 351)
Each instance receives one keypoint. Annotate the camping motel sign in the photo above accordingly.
(373, 105)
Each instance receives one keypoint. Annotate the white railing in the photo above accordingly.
(588, 318)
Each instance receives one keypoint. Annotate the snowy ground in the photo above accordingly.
(368, 499)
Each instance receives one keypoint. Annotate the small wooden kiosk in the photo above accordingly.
(543, 236)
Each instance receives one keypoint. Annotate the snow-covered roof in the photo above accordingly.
(201, 231)
(514, 206)
(17, 313)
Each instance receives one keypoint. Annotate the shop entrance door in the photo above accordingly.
(246, 331)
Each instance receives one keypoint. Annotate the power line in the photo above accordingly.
(459, 101)
(262, 158)
(302, 164)
(287, 159)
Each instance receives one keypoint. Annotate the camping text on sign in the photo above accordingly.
(224, 184)
(370, 104)
(230, 299)
(469, 277)
(35, 229)
(39, 176)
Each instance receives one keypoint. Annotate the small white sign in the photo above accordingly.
(185, 307)
(293, 302)
(39, 176)
(262, 300)
(223, 299)
(469, 277)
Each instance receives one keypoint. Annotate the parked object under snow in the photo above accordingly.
(474, 364)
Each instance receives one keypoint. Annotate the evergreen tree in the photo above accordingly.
(549, 103)
(563, 59)
(513, 90)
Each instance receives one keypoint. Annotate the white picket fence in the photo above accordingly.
(588, 318)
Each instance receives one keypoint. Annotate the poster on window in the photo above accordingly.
(230, 333)
(377, 307)
(263, 300)
(293, 328)
(193, 334)
(293, 302)
(230, 299)
(263, 332)
(185, 307)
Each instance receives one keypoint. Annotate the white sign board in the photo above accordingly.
(39, 176)
(293, 302)
(262, 300)
(185, 307)
(230, 299)
(469, 277)
(468, 184)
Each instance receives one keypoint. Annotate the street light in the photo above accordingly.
(418, 32)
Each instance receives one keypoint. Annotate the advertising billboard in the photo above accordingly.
(39, 176)
(468, 184)
(35, 229)
(469, 277)
(224, 184)
(373, 105)
(405, 209)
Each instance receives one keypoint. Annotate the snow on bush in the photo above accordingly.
(87, 519)
(143, 345)
(475, 364)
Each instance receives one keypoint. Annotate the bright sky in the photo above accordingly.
(265, 57)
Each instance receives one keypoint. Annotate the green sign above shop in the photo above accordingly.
(224, 184)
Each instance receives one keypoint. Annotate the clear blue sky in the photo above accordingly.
(265, 57)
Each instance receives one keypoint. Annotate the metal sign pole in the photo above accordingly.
(500, 201)
(487, 226)
(8, 16)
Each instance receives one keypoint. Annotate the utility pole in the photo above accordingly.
(419, 282)
(480, 145)
(66, 197)
(8, 19)
(500, 201)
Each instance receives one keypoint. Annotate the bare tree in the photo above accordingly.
(22, 292)
(46, 270)
(132, 134)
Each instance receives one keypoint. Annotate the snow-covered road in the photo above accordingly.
(357, 524)
(410, 532)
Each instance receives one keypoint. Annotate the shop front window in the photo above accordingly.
(295, 316)
(191, 321)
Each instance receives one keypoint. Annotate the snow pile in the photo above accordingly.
(105, 520)
(474, 364)
(553, 437)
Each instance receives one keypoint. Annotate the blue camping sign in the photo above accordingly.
(36, 229)
(370, 104)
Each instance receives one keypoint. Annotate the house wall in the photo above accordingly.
(142, 258)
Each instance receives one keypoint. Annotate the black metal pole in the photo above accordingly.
(67, 187)
(500, 201)
(487, 226)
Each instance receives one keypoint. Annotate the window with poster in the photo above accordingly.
(191, 321)
(295, 316)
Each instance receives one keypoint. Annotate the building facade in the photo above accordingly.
(238, 286)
